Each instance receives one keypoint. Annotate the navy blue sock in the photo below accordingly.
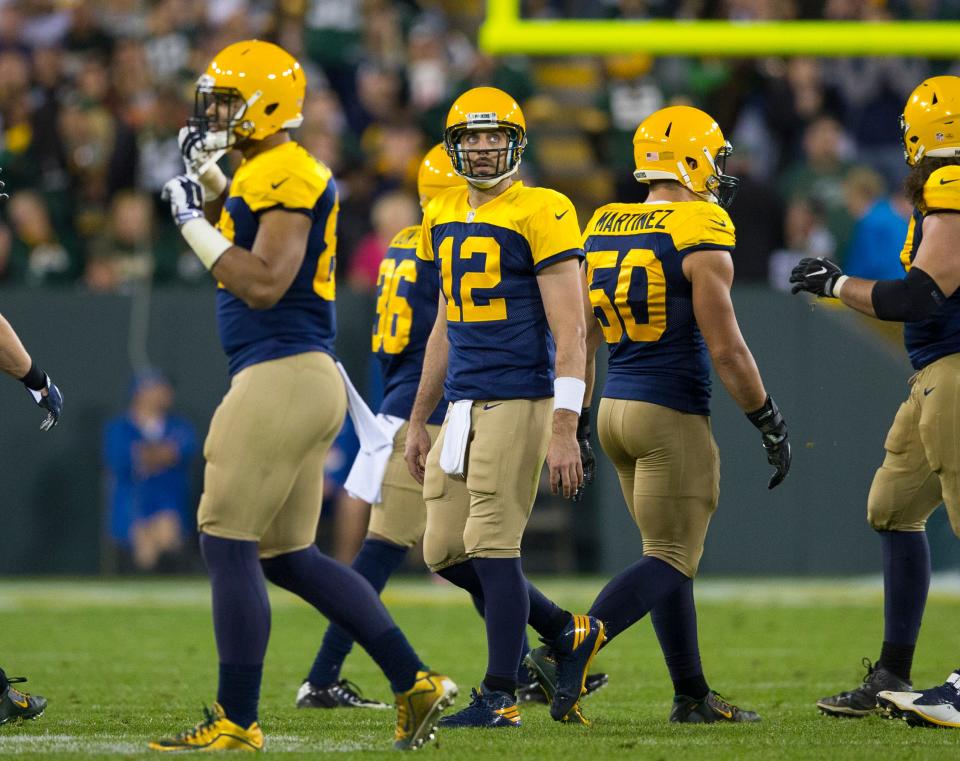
(376, 561)
(906, 580)
(546, 617)
(347, 599)
(523, 673)
(503, 581)
(241, 623)
(633, 593)
(675, 622)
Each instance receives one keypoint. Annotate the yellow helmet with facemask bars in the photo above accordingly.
(485, 109)
(436, 173)
(250, 90)
(930, 123)
(684, 144)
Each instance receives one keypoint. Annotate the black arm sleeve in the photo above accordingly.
(915, 297)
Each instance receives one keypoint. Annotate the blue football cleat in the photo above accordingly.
(487, 709)
(574, 650)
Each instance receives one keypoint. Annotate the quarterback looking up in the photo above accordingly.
(507, 352)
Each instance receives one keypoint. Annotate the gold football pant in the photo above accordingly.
(265, 450)
(401, 516)
(921, 468)
(485, 514)
(669, 469)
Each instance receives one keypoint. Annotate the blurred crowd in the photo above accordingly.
(93, 93)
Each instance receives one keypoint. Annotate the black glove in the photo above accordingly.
(769, 422)
(37, 382)
(587, 460)
(816, 276)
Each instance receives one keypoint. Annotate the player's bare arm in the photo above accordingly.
(16, 362)
(14, 359)
(711, 274)
(594, 337)
(261, 276)
(429, 394)
(933, 277)
(559, 288)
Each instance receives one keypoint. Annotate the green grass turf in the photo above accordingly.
(123, 662)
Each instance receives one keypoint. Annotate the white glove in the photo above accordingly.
(201, 163)
(185, 197)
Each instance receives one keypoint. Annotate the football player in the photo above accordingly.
(507, 352)
(406, 311)
(658, 277)
(272, 253)
(921, 467)
(15, 704)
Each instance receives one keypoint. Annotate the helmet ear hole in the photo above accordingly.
(914, 139)
(692, 162)
(270, 108)
(934, 101)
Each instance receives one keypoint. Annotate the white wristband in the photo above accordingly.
(214, 182)
(835, 291)
(568, 394)
(207, 242)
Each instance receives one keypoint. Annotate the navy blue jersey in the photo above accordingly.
(939, 334)
(304, 319)
(408, 292)
(644, 303)
(488, 258)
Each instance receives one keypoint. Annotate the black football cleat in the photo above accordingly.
(16, 705)
(342, 694)
(708, 710)
(862, 701)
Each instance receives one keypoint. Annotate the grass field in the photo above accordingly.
(123, 662)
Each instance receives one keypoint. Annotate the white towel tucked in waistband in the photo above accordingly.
(453, 456)
(369, 468)
(375, 442)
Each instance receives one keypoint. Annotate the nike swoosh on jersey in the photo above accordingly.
(947, 182)
(560, 216)
(491, 406)
(276, 185)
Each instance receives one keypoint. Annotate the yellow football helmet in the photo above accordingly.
(436, 174)
(685, 144)
(930, 122)
(485, 109)
(250, 90)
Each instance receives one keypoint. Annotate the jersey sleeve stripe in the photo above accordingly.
(570, 253)
(706, 247)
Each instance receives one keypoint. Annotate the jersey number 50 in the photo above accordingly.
(494, 309)
(615, 293)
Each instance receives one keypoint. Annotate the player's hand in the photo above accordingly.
(773, 430)
(587, 460)
(50, 399)
(415, 451)
(200, 162)
(186, 199)
(563, 455)
(816, 276)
